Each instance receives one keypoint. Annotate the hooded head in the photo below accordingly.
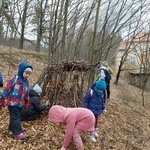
(104, 63)
(37, 88)
(100, 85)
(22, 67)
(56, 114)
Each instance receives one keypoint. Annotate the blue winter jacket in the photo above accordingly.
(94, 102)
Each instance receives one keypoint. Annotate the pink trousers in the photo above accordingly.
(77, 138)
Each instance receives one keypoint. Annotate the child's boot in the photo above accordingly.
(96, 133)
(20, 136)
(91, 135)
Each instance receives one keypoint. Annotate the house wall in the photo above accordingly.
(138, 80)
(136, 55)
(118, 58)
(136, 47)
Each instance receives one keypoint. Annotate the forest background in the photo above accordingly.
(73, 30)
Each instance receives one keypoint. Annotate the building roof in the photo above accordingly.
(140, 37)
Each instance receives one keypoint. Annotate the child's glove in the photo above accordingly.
(104, 111)
(62, 148)
(46, 103)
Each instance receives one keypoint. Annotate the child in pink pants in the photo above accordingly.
(77, 120)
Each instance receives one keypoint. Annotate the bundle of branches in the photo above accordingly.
(64, 83)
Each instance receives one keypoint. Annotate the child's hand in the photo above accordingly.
(46, 103)
(104, 111)
(62, 148)
(2, 101)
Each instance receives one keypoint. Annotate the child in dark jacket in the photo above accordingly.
(105, 72)
(94, 100)
(35, 108)
(15, 95)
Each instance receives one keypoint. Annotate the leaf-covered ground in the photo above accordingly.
(125, 125)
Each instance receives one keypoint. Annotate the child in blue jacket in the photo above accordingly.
(94, 100)
(15, 95)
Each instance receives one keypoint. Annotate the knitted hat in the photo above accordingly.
(101, 85)
(37, 88)
(28, 69)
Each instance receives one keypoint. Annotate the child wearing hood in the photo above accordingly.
(15, 95)
(105, 72)
(94, 101)
(77, 120)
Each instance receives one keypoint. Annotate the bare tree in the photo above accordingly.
(23, 23)
(40, 21)
(4, 16)
(55, 24)
(91, 76)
